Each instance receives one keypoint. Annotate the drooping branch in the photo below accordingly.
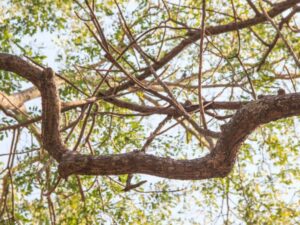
(51, 115)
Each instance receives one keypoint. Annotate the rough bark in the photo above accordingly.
(218, 163)
(51, 116)
(21, 67)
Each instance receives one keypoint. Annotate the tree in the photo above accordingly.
(173, 89)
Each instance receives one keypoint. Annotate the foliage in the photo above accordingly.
(263, 187)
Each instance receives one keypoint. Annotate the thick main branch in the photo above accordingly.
(216, 164)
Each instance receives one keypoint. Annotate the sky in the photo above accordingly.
(49, 48)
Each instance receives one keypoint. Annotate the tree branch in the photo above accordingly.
(216, 164)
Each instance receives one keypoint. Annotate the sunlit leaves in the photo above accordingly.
(261, 189)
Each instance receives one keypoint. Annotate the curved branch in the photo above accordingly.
(51, 116)
(216, 164)
(21, 67)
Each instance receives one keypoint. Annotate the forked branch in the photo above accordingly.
(218, 163)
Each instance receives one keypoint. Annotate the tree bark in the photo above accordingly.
(218, 163)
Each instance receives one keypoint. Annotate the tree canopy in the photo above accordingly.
(149, 112)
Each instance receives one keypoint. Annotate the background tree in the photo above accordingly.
(174, 89)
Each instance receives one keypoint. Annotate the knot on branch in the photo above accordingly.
(48, 73)
(70, 164)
